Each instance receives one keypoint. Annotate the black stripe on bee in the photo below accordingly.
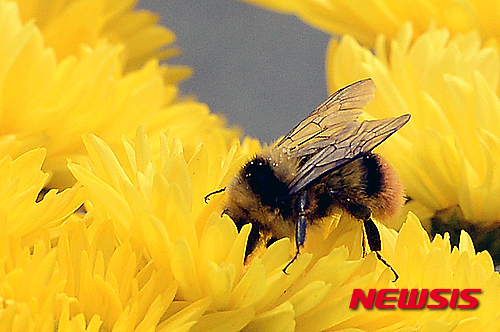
(373, 177)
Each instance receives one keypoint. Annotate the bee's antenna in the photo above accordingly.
(207, 198)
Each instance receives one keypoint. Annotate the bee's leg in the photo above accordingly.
(253, 239)
(375, 243)
(372, 234)
(363, 243)
(300, 228)
(254, 236)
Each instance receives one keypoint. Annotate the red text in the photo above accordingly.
(415, 298)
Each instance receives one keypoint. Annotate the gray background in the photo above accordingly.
(262, 70)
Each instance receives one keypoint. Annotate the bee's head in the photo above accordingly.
(260, 176)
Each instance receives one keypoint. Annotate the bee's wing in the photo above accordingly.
(338, 151)
(335, 116)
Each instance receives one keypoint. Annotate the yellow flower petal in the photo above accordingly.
(69, 26)
(278, 319)
(367, 19)
(309, 297)
(225, 321)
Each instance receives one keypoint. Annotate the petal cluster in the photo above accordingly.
(158, 206)
(132, 246)
(50, 102)
(70, 25)
(29, 280)
(439, 62)
(366, 19)
(150, 254)
(448, 154)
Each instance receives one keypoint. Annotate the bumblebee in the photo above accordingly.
(322, 164)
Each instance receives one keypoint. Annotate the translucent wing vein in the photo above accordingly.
(336, 116)
(336, 152)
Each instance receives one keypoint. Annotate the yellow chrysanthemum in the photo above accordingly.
(87, 282)
(21, 181)
(448, 155)
(70, 25)
(46, 103)
(365, 20)
(157, 205)
(29, 281)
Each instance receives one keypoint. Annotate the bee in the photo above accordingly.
(324, 163)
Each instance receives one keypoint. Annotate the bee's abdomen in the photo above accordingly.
(367, 184)
(382, 186)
